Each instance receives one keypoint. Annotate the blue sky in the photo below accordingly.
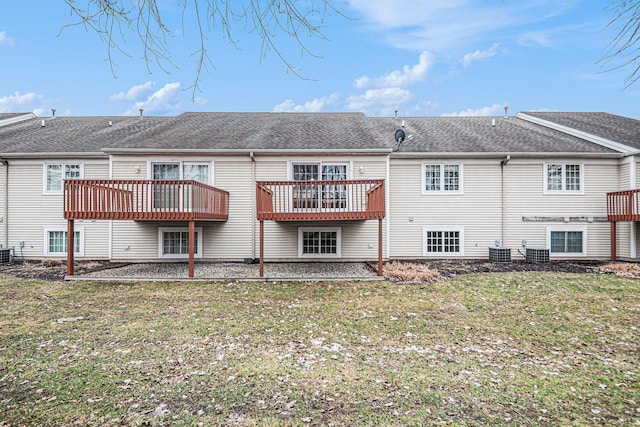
(420, 57)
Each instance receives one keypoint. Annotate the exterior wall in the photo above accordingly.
(31, 212)
(359, 239)
(526, 198)
(478, 210)
(225, 241)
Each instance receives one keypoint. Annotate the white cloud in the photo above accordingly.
(133, 94)
(5, 40)
(479, 55)
(483, 111)
(162, 100)
(313, 106)
(448, 28)
(408, 76)
(18, 102)
(379, 101)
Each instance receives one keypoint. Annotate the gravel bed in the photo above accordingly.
(229, 271)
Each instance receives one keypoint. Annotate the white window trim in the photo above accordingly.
(338, 231)
(77, 229)
(425, 253)
(162, 230)
(568, 228)
(180, 164)
(320, 163)
(423, 181)
(44, 177)
(563, 191)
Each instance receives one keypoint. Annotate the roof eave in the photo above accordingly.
(500, 155)
(604, 142)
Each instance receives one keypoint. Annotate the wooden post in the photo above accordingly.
(380, 272)
(192, 238)
(613, 241)
(261, 248)
(70, 247)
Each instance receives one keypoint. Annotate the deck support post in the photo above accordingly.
(70, 248)
(261, 248)
(192, 238)
(380, 272)
(613, 241)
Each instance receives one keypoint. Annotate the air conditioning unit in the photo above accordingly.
(499, 254)
(6, 255)
(536, 255)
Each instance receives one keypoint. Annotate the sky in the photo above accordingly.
(416, 57)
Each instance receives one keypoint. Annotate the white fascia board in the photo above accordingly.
(248, 151)
(613, 145)
(492, 155)
(17, 119)
(53, 155)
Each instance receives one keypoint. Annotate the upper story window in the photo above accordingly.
(563, 178)
(442, 178)
(55, 174)
(327, 196)
(181, 171)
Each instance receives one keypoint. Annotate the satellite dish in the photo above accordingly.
(400, 135)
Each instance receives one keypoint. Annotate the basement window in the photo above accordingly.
(173, 242)
(443, 242)
(56, 242)
(324, 242)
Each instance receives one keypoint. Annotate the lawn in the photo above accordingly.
(508, 349)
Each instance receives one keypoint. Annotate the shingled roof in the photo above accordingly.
(623, 130)
(481, 135)
(259, 131)
(64, 135)
(306, 132)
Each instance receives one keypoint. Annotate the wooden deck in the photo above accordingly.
(320, 200)
(144, 200)
(623, 205)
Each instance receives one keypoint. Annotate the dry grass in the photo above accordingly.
(622, 269)
(515, 349)
(409, 272)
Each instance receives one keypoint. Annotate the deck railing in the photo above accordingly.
(320, 200)
(623, 205)
(144, 200)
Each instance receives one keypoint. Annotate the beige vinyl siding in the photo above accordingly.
(625, 177)
(526, 198)
(31, 211)
(359, 239)
(228, 241)
(477, 210)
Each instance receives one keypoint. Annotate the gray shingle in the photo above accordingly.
(479, 135)
(620, 129)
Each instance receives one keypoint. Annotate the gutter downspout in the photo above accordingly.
(5, 204)
(503, 165)
(633, 244)
(253, 206)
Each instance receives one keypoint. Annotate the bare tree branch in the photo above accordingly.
(116, 20)
(625, 47)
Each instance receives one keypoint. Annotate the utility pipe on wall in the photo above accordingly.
(503, 165)
(5, 204)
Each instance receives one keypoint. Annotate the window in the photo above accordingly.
(563, 178)
(173, 242)
(168, 196)
(312, 196)
(443, 242)
(319, 242)
(567, 241)
(442, 178)
(56, 242)
(55, 174)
